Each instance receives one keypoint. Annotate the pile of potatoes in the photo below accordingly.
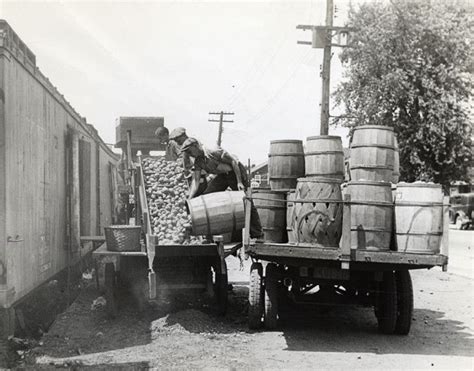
(166, 191)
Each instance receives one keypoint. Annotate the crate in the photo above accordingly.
(123, 237)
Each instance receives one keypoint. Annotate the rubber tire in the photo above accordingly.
(386, 303)
(110, 288)
(255, 296)
(404, 302)
(221, 293)
(458, 223)
(271, 297)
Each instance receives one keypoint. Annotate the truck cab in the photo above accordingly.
(461, 211)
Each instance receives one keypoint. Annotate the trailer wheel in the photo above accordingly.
(404, 302)
(386, 304)
(110, 290)
(271, 297)
(255, 296)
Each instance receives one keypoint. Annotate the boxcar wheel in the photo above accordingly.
(110, 290)
(255, 296)
(271, 297)
(386, 304)
(404, 302)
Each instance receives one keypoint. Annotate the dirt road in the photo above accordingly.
(189, 334)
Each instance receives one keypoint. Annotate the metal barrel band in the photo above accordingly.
(326, 174)
(324, 153)
(285, 177)
(419, 204)
(372, 145)
(327, 200)
(207, 216)
(419, 234)
(371, 167)
(258, 207)
(356, 229)
(298, 154)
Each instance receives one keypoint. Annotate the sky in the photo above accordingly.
(182, 60)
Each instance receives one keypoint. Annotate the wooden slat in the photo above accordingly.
(293, 251)
(395, 257)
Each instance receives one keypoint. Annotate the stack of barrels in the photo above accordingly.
(382, 207)
(305, 196)
(286, 163)
(372, 158)
(304, 204)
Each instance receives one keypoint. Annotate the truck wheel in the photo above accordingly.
(404, 302)
(386, 304)
(110, 290)
(255, 296)
(271, 297)
(458, 223)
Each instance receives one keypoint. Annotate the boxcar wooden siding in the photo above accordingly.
(35, 121)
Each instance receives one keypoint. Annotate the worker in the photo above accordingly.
(230, 173)
(173, 152)
(173, 142)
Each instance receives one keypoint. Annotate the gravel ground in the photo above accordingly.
(188, 333)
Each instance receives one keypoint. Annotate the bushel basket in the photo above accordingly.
(123, 237)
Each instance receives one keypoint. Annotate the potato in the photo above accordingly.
(166, 192)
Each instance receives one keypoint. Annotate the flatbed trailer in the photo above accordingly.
(314, 274)
(158, 267)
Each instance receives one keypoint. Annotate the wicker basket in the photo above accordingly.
(123, 237)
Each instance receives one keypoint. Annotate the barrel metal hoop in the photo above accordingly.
(419, 234)
(324, 153)
(371, 167)
(207, 216)
(292, 154)
(418, 204)
(271, 207)
(325, 174)
(285, 177)
(355, 229)
(373, 145)
(233, 213)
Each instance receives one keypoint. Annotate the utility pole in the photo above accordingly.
(326, 73)
(322, 39)
(221, 123)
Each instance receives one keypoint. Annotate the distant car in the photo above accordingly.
(461, 211)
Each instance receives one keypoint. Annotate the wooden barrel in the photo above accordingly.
(271, 207)
(372, 153)
(290, 209)
(320, 220)
(418, 217)
(324, 157)
(285, 164)
(396, 163)
(217, 213)
(371, 215)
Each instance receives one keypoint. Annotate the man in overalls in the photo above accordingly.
(230, 173)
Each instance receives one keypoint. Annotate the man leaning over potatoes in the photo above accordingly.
(230, 173)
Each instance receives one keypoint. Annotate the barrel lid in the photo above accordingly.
(319, 179)
(324, 137)
(418, 185)
(380, 127)
(368, 182)
(286, 141)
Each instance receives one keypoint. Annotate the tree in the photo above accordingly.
(409, 67)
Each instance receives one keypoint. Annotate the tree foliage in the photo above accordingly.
(409, 66)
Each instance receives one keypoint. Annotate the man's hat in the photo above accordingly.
(161, 131)
(189, 143)
(175, 133)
